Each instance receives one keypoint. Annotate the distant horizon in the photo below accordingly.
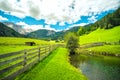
(55, 15)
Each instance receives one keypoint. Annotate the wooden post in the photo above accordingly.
(45, 51)
(49, 48)
(25, 58)
(39, 54)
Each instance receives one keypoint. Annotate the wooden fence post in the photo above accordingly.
(39, 54)
(25, 58)
(49, 48)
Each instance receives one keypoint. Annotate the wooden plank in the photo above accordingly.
(42, 52)
(32, 53)
(10, 54)
(32, 57)
(32, 49)
(11, 60)
(13, 75)
(10, 67)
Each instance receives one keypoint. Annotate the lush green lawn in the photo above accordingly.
(102, 35)
(54, 67)
(115, 49)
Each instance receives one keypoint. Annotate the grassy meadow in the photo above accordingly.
(55, 67)
(101, 35)
(12, 44)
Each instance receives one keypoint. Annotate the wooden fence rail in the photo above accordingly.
(15, 63)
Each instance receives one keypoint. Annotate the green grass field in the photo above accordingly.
(21, 41)
(101, 35)
(115, 49)
(55, 67)
(13, 48)
(12, 44)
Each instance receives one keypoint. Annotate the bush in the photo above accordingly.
(72, 42)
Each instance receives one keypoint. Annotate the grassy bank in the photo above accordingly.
(114, 49)
(101, 35)
(55, 67)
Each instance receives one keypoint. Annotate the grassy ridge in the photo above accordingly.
(102, 35)
(54, 67)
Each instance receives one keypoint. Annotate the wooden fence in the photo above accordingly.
(15, 63)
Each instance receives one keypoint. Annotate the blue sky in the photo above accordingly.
(55, 14)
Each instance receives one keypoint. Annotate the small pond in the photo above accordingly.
(97, 68)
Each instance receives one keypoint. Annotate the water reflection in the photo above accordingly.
(97, 68)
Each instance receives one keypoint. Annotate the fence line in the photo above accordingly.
(15, 63)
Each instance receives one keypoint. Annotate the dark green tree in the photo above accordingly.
(72, 42)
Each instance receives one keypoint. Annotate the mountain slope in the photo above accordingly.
(49, 34)
(6, 31)
(42, 34)
(18, 28)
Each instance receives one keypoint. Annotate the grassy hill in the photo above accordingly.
(9, 32)
(102, 35)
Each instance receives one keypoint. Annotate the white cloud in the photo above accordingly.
(49, 28)
(54, 11)
(81, 24)
(34, 27)
(62, 23)
(75, 25)
(3, 18)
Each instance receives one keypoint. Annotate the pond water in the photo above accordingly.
(97, 68)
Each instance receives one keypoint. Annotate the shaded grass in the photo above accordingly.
(54, 67)
(101, 35)
(115, 49)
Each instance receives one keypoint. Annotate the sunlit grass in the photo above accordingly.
(102, 35)
(13, 48)
(21, 41)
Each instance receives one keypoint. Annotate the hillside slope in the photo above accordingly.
(102, 35)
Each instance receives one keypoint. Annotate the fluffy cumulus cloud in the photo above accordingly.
(3, 18)
(54, 11)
